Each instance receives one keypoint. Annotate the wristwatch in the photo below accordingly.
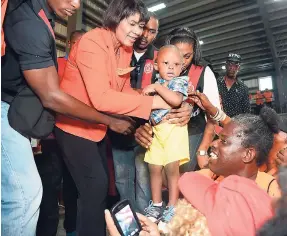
(201, 153)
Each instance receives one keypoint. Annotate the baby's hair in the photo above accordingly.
(187, 221)
(169, 46)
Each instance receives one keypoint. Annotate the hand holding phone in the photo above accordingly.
(126, 219)
(148, 227)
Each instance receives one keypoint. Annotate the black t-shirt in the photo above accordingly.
(30, 45)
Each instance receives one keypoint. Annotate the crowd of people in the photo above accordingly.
(262, 99)
(167, 118)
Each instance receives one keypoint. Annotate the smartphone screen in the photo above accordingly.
(127, 222)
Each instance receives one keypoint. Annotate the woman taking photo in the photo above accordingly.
(97, 73)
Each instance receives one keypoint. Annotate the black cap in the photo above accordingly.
(283, 124)
(234, 57)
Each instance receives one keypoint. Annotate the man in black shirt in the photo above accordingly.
(131, 173)
(30, 65)
(233, 92)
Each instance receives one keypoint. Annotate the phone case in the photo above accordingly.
(116, 208)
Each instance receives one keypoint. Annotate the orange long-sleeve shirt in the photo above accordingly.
(91, 77)
(3, 11)
(62, 62)
(259, 99)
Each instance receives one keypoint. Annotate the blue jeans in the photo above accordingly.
(132, 176)
(194, 142)
(20, 182)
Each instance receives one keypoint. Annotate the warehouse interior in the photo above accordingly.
(255, 29)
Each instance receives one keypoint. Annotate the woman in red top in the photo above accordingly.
(97, 74)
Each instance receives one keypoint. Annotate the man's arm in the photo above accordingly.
(45, 83)
(34, 55)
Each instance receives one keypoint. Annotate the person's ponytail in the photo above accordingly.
(270, 118)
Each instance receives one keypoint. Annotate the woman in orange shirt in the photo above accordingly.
(3, 11)
(98, 74)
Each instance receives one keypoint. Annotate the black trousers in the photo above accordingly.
(87, 163)
(49, 165)
(70, 197)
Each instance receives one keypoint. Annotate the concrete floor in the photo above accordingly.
(61, 230)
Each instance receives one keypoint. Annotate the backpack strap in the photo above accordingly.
(42, 14)
(38, 9)
(194, 74)
(148, 71)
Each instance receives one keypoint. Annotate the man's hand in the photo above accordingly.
(282, 157)
(124, 125)
(180, 116)
(143, 135)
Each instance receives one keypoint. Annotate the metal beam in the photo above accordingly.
(196, 13)
(279, 83)
(222, 16)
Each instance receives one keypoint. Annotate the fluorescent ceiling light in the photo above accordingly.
(200, 42)
(157, 7)
(223, 67)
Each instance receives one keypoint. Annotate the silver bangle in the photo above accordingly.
(220, 116)
(223, 117)
(213, 117)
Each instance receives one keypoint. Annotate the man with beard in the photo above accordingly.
(233, 92)
(144, 55)
(131, 173)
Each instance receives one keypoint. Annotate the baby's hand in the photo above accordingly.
(150, 89)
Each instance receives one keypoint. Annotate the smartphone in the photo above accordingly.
(126, 219)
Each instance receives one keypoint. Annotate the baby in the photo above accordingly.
(170, 146)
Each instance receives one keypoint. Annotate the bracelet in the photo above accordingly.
(217, 112)
(219, 116)
(223, 117)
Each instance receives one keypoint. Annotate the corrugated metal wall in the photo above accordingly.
(61, 36)
(92, 17)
